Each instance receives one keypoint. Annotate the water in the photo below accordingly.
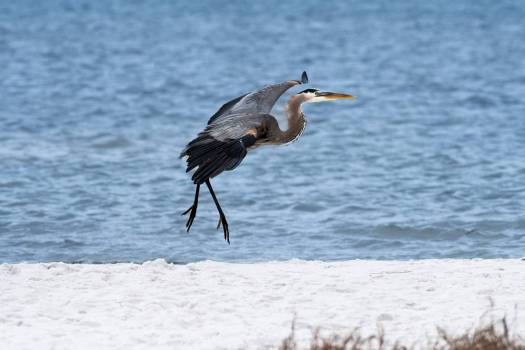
(98, 98)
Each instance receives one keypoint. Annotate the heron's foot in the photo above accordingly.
(224, 223)
(187, 211)
(193, 213)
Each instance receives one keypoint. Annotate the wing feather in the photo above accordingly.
(257, 102)
(225, 108)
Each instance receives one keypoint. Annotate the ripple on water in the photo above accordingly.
(112, 143)
(309, 207)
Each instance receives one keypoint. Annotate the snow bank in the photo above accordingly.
(212, 305)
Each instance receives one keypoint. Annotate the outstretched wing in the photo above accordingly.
(225, 108)
(257, 102)
(224, 144)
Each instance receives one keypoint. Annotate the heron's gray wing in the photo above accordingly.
(234, 126)
(223, 144)
(225, 108)
(257, 102)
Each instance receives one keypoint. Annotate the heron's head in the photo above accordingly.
(314, 95)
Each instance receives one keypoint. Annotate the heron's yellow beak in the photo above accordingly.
(334, 96)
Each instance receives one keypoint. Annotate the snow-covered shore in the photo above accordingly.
(213, 305)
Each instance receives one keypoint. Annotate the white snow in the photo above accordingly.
(214, 305)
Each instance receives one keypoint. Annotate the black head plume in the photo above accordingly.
(304, 78)
(308, 90)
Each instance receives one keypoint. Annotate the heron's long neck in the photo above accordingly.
(296, 121)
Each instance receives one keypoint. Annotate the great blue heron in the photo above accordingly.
(241, 125)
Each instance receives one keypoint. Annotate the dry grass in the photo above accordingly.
(495, 336)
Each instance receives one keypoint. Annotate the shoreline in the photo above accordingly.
(210, 305)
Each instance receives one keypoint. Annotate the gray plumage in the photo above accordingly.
(257, 102)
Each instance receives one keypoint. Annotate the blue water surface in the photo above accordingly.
(97, 99)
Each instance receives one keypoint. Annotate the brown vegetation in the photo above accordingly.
(495, 336)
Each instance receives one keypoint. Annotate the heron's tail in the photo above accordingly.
(211, 157)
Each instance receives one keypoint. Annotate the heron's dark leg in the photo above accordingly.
(221, 213)
(193, 209)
